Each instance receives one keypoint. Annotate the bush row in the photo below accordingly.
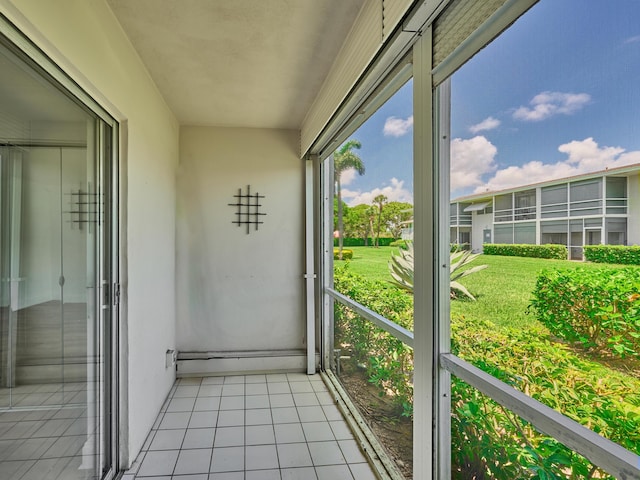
(346, 254)
(359, 242)
(388, 361)
(488, 437)
(619, 254)
(600, 308)
(489, 441)
(558, 252)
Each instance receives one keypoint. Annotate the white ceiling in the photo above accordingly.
(249, 63)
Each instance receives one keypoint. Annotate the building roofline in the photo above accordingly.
(582, 176)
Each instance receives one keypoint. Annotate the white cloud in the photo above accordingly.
(395, 192)
(397, 127)
(347, 176)
(471, 159)
(633, 39)
(548, 104)
(488, 123)
(583, 156)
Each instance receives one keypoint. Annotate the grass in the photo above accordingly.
(371, 262)
(503, 290)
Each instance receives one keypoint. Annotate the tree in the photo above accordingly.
(379, 201)
(343, 159)
(396, 217)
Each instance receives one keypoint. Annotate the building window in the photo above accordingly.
(616, 195)
(586, 198)
(616, 231)
(554, 201)
(504, 208)
(525, 205)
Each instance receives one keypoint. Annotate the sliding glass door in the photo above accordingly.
(57, 275)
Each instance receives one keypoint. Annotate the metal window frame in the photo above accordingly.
(433, 364)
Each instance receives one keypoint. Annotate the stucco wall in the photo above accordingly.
(239, 291)
(83, 37)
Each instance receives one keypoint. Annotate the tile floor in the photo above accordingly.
(253, 427)
(48, 433)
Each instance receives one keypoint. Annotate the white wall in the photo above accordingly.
(239, 291)
(480, 223)
(633, 214)
(83, 37)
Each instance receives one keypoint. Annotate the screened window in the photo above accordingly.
(524, 233)
(525, 205)
(616, 231)
(616, 195)
(535, 107)
(554, 201)
(503, 233)
(586, 198)
(503, 208)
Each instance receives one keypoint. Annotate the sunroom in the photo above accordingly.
(170, 303)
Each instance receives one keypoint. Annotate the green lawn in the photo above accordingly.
(503, 290)
(371, 262)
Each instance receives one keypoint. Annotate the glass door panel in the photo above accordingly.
(56, 328)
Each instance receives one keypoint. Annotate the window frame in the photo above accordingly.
(433, 362)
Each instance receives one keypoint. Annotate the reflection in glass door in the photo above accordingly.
(56, 326)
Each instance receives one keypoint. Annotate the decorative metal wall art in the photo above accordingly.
(248, 209)
(84, 207)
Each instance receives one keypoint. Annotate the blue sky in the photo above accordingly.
(557, 94)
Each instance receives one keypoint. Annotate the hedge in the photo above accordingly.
(619, 254)
(346, 254)
(558, 252)
(359, 242)
(599, 308)
(488, 440)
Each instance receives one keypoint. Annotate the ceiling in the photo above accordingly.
(247, 63)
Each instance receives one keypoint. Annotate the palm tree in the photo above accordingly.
(343, 159)
(380, 202)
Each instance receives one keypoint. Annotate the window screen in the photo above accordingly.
(524, 233)
(503, 233)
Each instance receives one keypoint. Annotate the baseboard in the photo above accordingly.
(194, 364)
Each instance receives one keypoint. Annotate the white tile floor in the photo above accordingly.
(253, 427)
(48, 434)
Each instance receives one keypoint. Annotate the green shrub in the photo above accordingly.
(619, 254)
(490, 441)
(346, 254)
(600, 308)
(388, 361)
(558, 252)
(359, 242)
(487, 435)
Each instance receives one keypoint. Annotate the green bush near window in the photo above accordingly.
(346, 254)
(599, 308)
(388, 361)
(487, 437)
(488, 440)
(558, 252)
(619, 254)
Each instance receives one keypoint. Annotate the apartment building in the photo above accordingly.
(596, 208)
